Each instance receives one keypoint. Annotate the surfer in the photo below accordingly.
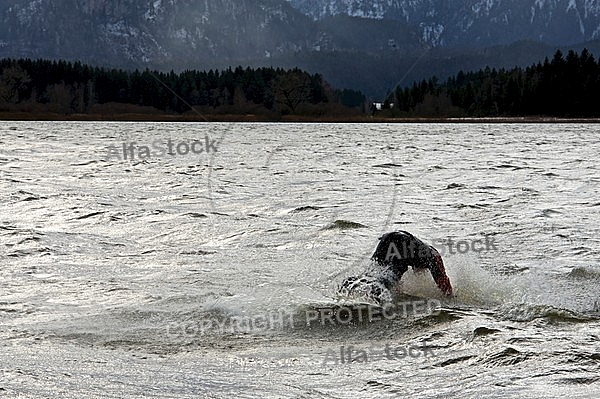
(395, 252)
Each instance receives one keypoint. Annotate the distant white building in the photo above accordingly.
(379, 106)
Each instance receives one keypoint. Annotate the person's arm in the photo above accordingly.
(439, 273)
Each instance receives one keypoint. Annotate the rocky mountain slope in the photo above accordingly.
(482, 22)
(355, 43)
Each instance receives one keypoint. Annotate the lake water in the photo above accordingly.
(212, 274)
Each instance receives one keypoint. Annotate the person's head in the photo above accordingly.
(392, 246)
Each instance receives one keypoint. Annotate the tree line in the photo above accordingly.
(565, 86)
(562, 87)
(74, 88)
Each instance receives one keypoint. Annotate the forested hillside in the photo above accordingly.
(562, 87)
(64, 87)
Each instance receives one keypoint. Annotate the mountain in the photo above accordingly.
(479, 22)
(158, 32)
(356, 44)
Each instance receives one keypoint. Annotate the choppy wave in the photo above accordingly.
(344, 225)
(585, 273)
(530, 312)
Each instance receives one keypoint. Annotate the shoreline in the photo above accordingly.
(209, 118)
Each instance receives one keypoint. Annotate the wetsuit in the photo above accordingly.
(394, 254)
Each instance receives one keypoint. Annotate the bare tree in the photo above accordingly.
(13, 80)
(292, 89)
(60, 98)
